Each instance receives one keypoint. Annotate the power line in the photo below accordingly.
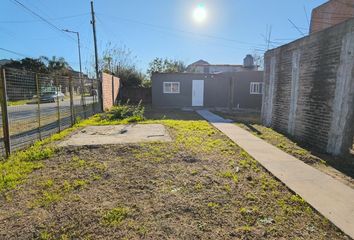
(113, 34)
(186, 32)
(52, 19)
(42, 18)
(13, 52)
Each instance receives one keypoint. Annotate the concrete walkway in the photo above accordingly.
(331, 198)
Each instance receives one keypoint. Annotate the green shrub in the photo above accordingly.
(133, 113)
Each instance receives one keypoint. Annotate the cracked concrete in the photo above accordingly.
(117, 134)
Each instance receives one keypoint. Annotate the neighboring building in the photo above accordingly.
(202, 66)
(331, 13)
(231, 90)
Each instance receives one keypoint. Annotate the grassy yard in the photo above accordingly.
(341, 168)
(200, 186)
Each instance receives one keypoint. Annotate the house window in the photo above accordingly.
(171, 87)
(256, 88)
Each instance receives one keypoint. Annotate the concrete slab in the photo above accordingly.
(117, 134)
(331, 198)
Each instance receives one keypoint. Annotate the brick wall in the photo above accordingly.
(331, 13)
(309, 89)
(109, 97)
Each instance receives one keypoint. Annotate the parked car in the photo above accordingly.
(52, 96)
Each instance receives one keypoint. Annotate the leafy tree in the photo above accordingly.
(30, 64)
(121, 62)
(165, 65)
(56, 65)
(41, 65)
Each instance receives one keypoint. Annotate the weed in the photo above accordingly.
(115, 216)
(78, 163)
(96, 177)
(245, 229)
(230, 175)
(48, 183)
(47, 199)
(198, 186)
(130, 113)
(194, 172)
(67, 186)
(213, 205)
(227, 188)
(45, 235)
(78, 183)
(249, 210)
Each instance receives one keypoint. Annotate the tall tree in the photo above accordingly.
(30, 64)
(165, 65)
(120, 61)
(56, 65)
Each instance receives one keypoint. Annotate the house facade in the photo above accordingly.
(202, 66)
(225, 90)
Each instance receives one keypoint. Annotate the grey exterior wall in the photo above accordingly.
(220, 90)
(309, 89)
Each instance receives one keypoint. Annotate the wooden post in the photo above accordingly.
(38, 106)
(5, 116)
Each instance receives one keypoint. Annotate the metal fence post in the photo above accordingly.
(38, 106)
(83, 101)
(93, 92)
(5, 116)
(58, 104)
(72, 112)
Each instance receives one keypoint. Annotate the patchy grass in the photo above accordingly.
(325, 163)
(18, 103)
(115, 216)
(185, 189)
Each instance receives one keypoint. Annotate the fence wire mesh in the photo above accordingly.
(39, 105)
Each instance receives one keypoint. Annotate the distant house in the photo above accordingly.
(331, 13)
(241, 89)
(202, 66)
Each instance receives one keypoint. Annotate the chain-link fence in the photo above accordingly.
(36, 105)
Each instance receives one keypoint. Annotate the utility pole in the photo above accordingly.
(80, 74)
(93, 22)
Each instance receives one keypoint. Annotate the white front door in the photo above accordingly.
(198, 93)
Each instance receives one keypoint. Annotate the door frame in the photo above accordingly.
(197, 102)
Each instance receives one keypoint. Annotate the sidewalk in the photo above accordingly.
(331, 198)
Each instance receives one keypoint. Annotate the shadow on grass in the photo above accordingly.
(169, 113)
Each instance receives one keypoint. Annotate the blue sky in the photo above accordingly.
(153, 28)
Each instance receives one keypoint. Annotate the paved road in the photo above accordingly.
(29, 111)
(23, 120)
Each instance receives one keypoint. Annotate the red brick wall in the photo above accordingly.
(331, 13)
(108, 99)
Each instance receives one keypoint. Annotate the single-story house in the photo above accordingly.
(232, 90)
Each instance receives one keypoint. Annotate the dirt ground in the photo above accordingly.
(200, 186)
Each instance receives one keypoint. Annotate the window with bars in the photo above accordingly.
(256, 88)
(171, 87)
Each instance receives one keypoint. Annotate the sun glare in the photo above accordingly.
(200, 13)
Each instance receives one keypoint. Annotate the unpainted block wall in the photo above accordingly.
(309, 89)
(109, 97)
(331, 13)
